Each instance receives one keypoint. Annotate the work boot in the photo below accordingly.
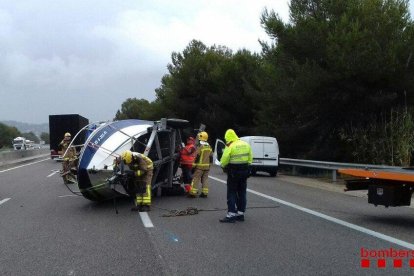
(203, 195)
(239, 217)
(228, 219)
(145, 208)
(191, 196)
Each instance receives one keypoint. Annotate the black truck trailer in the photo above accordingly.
(60, 124)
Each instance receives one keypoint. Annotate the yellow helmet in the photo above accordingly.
(127, 156)
(203, 136)
(67, 134)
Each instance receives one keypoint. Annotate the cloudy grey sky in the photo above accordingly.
(89, 56)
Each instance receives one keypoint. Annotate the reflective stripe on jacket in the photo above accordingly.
(238, 152)
(203, 154)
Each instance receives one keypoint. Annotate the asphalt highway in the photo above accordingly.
(293, 226)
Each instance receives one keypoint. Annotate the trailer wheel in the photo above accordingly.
(177, 123)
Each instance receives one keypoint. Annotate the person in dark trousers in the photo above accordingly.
(236, 158)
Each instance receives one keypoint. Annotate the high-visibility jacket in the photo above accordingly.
(187, 155)
(237, 152)
(204, 156)
(143, 167)
(140, 163)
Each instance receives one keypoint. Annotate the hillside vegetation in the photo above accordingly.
(336, 83)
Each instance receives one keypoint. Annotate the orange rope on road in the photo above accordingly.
(377, 174)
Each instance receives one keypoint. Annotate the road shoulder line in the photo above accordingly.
(331, 219)
(24, 165)
(4, 200)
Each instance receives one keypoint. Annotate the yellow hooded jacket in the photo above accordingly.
(237, 151)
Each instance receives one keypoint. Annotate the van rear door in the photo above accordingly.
(257, 150)
(270, 152)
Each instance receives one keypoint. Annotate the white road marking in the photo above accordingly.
(53, 173)
(146, 219)
(67, 195)
(24, 165)
(4, 200)
(332, 219)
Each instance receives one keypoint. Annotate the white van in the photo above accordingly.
(265, 153)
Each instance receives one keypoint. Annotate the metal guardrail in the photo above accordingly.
(16, 156)
(332, 166)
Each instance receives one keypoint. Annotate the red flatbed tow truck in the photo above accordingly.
(387, 187)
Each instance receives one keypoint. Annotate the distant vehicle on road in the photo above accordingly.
(59, 125)
(19, 143)
(29, 144)
(265, 154)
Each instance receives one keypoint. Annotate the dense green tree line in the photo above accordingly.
(335, 80)
(7, 134)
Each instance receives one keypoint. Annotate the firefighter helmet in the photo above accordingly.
(67, 134)
(127, 156)
(203, 136)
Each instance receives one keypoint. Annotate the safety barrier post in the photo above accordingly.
(334, 175)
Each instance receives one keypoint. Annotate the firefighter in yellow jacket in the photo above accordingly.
(69, 156)
(204, 156)
(142, 167)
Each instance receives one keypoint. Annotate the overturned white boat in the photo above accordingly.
(159, 140)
